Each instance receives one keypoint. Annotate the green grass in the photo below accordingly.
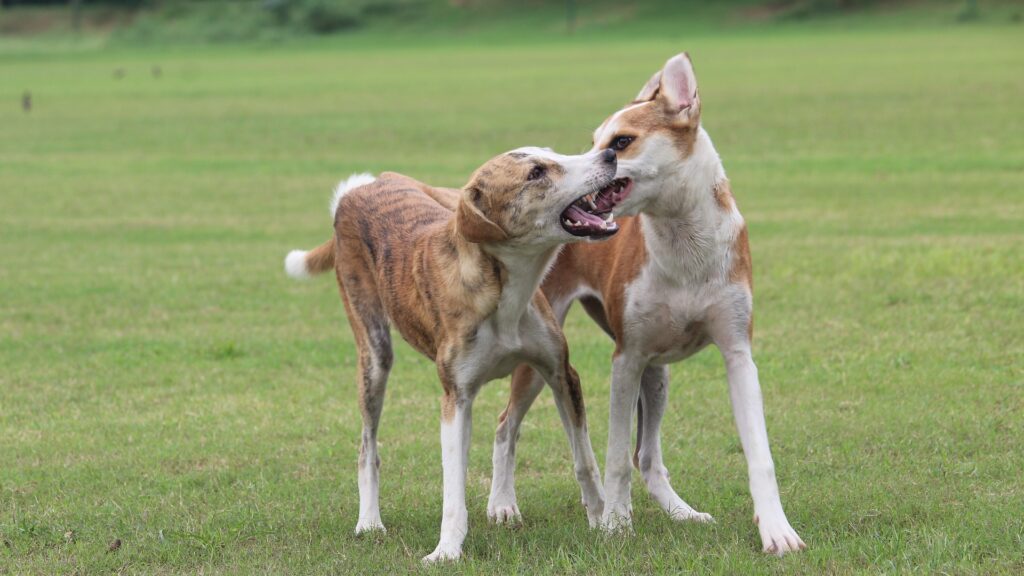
(163, 383)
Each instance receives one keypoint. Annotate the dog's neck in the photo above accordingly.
(518, 272)
(525, 271)
(687, 231)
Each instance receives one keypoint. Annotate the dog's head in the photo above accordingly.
(655, 133)
(533, 196)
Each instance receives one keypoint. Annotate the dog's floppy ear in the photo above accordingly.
(650, 90)
(472, 225)
(678, 87)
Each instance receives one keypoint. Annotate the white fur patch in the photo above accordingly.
(295, 265)
(345, 186)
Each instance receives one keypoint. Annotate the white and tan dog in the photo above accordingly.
(457, 272)
(673, 280)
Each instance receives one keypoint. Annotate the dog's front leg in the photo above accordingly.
(777, 536)
(565, 385)
(626, 371)
(456, 426)
(501, 505)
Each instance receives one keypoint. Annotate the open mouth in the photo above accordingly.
(591, 214)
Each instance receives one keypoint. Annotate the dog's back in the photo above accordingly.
(382, 230)
(390, 210)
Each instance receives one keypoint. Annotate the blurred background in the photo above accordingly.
(148, 21)
(171, 403)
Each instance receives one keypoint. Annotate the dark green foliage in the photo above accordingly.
(798, 9)
(325, 17)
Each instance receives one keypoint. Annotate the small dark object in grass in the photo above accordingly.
(115, 545)
(119, 73)
(26, 101)
(156, 71)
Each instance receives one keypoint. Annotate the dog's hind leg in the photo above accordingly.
(373, 341)
(648, 457)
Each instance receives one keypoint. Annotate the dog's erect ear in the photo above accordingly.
(472, 225)
(650, 90)
(678, 86)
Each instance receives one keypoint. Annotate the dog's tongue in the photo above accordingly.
(576, 214)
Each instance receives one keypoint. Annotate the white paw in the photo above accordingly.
(777, 536)
(504, 514)
(365, 526)
(690, 515)
(442, 554)
(620, 522)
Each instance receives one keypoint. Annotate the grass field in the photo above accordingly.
(162, 383)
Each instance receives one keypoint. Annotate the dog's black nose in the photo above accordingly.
(608, 156)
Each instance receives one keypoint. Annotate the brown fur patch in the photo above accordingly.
(447, 407)
(723, 196)
(578, 414)
(607, 267)
(742, 270)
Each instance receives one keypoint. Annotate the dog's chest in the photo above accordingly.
(494, 351)
(667, 319)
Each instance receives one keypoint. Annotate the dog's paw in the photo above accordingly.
(367, 526)
(777, 536)
(504, 514)
(442, 554)
(690, 515)
(594, 519)
(621, 522)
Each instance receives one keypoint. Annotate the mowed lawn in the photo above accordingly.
(162, 383)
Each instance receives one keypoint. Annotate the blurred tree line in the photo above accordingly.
(329, 16)
(126, 3)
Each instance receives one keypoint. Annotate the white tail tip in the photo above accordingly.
(295, 265)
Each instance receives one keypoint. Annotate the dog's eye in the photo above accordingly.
(536, 173)
(620, 143)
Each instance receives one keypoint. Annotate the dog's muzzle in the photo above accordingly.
(591, 214)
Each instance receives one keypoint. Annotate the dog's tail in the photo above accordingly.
(302, 264)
